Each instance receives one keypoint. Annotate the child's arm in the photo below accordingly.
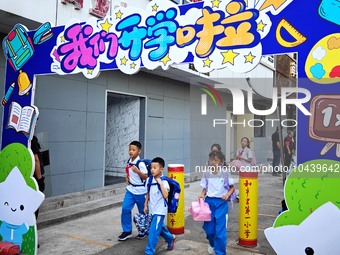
(204, 186)
(165, 192)
(249, 157)
(236, 155)
(137, 171)
(226, 196)
(203, 194)
(146, 203)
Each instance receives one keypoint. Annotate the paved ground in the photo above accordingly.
(97, 234)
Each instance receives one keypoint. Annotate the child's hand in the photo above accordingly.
(135, 169)
(225, 197)
(201, 196)
(127, 180)
(146, 209)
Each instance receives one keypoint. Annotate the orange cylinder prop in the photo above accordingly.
(175, 221)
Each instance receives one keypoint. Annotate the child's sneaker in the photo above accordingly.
(141, 236)
(124, 236)
(172, 244)
(211, 249)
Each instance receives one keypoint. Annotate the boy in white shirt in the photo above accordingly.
(158, 208)
(135, 191)
(216, 195)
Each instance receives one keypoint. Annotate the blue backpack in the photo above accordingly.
(173, 195)
(147, 162)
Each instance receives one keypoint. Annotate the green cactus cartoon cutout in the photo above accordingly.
(19, 198)
(311, 224)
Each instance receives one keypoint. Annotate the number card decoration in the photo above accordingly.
(324, 123)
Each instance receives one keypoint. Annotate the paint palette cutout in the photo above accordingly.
(322, 64)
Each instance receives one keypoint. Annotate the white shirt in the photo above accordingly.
(214, 184)
(135, 179)
(157, 204)
(245, 153)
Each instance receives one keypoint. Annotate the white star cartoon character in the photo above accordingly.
(18, 202)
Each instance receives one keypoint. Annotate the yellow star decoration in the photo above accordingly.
(123, 61)
(132, 65)
(90, 71)
(207, 62)
(62, 38)
(229, 56)
(166, 59)
(106, 26)
(155, 8)
(261, 26)
(249, 58)
(216, 3)
(119, 15)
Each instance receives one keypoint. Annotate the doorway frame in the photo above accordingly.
(107, 92)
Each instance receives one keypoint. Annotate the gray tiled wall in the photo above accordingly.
(72, 113)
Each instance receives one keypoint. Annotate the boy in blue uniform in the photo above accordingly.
(158, 207)
(135, 191)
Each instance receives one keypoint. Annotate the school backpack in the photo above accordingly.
(147, 163)
(173, 194)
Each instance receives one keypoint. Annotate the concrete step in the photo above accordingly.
(53, 217)
(72, 199)
(59, 209)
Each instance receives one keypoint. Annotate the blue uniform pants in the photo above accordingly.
(157, 229)
(216, 228)
(129, 202)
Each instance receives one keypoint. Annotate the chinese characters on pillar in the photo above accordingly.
(247, 211)
(172, 221)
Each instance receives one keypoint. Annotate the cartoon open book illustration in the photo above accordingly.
(22, 119)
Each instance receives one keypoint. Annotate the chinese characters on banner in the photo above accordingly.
(161, 36)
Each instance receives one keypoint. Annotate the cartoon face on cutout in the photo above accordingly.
(317, 234)
(18, 202)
